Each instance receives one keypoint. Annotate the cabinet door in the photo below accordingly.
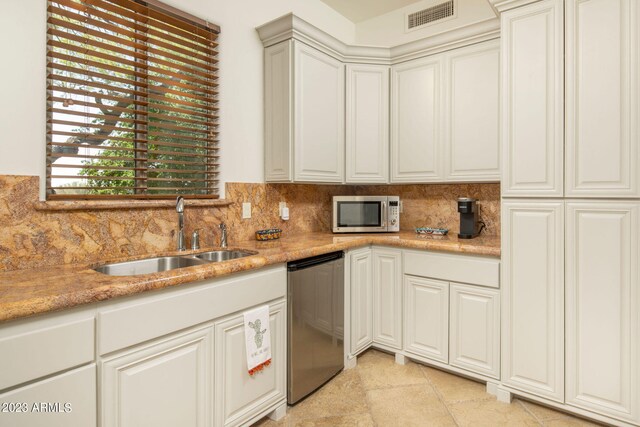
(387, 297)
(367, 124)
(319, 116)
(533, 297)
(472, 113)
(277, 113)
(239, 396)
(602, 98)
(603, 308)
(73, 393)
(532, 100)
(166, 383)
(426, 305)
(474, 340)
(361, 300)
(416, 121)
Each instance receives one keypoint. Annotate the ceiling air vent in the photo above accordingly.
(431, 14)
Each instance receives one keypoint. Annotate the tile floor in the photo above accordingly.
(381, 393)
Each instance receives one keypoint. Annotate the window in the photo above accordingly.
(131, 101)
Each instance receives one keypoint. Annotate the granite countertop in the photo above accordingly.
(29, 292)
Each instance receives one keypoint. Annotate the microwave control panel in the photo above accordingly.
(393, 214)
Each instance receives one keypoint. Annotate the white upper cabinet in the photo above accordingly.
(602, 98)
(532, 100)
(603, 308)
(416, 114)
(318, 129)
(304, 131)
(277, 113)
(472, 113)
(367, 124)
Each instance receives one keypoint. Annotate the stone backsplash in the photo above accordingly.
(31, 238)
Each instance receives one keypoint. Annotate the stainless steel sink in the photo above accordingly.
(222, 255)
(165, 263)
(149, 265)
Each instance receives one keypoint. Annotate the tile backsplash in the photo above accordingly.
(32, 238)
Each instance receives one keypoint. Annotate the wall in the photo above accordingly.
(23, 44)
(389, 29)
(31, 238)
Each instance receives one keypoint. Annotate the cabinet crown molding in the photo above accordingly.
(500, 6)
(291, 26)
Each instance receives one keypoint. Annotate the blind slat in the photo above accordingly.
(131, 98)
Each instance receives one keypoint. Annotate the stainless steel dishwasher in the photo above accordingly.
(315, 324)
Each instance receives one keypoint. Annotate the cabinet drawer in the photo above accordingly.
(37, 347)
(70, 400)
(149, 316)
(454, 268)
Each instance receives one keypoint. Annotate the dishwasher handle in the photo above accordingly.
(316, 260)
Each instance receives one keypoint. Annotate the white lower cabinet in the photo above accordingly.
(603, 308)
(426, 311)
(474, 330)
(238, 395)
(360, 295)
(65, 400)
(387, 297)
(167, 382)
(533, 297)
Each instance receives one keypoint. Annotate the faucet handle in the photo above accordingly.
(195, 240)
(223, 235)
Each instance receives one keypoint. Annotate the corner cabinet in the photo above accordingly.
(360, 297)
(304, 114)
(387, 297)
(416, 128)
(445, 112)
(367, 124)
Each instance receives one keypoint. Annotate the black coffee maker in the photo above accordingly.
(469, 224)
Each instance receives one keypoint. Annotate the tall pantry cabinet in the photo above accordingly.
(571, 205)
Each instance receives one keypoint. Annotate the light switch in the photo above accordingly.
(246, 210)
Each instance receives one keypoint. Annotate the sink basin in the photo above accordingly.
(149, 265)
(155, 265)
(222, 255)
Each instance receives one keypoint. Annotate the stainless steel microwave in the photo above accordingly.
(366, 214)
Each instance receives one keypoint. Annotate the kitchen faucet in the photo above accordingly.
(223, 235)
(180, 210)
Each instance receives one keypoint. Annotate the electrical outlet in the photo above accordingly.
(281, 205)
(246, 210)
(401, 206)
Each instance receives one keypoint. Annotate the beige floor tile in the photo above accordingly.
(571, 422)
(490, 413)
(453, 388)
(357, 420)
(542, 413)
(379, 370)
(267, 422)
(343, 395)
(415, 405)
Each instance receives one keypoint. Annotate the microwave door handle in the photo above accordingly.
(384, 214)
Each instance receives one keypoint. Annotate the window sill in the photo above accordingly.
(86, 205)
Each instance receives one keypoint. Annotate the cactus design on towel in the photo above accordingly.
(259, 333)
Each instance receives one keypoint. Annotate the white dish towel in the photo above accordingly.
(258, 339)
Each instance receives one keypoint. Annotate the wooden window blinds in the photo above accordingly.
(131, 101)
